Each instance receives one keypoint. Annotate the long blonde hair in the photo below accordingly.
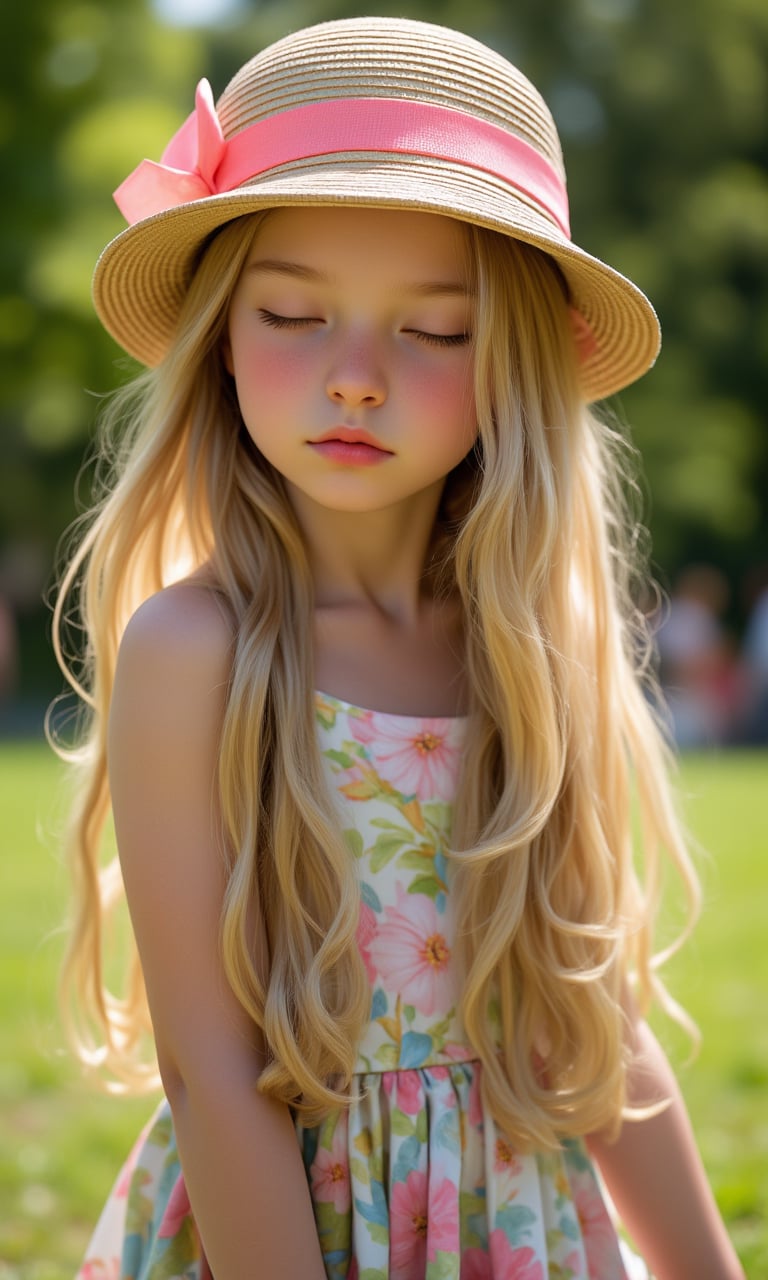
(553, 917)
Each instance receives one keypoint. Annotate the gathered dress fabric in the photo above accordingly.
(414, 1181)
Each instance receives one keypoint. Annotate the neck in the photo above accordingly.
(371, 559)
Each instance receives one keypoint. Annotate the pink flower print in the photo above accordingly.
(100, 1269)
(476, 1265)
(123, 1185)
(362, 726)
(416, 756)
(408, 1227)
(600, 1243)
(366, 932)
(412, 955)
(408, 1091)
(507, 1167)
(457, 1052)
(422, 1221)
(572, 1265)
(330, 1174)
(176, 1210)
(505, 1159)
(514, 1264)
(442, 1219)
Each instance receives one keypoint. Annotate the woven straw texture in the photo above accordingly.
(142, 276)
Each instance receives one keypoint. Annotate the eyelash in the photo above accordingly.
(440, 339)
(285, 322)
(300, 322)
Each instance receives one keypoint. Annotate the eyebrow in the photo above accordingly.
(276, 267)
(297, 271)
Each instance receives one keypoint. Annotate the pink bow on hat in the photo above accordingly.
(188, 167)
(199, 162)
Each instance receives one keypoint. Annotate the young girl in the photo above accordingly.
(363, 685)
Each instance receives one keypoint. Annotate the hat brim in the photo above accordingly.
(143, 274)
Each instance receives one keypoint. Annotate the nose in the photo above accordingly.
(356, 376)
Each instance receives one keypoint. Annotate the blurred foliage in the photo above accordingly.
(663, 113)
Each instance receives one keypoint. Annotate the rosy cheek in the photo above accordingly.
(454, 391)
(263, 373)
(449, 395)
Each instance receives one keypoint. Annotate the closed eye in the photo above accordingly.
(286, 322)
(440, 339)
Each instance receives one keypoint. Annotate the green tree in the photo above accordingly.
(86, 89)
(663, 111)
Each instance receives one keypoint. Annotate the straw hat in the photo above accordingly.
(374, 112)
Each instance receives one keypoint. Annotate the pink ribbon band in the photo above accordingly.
(199, 162)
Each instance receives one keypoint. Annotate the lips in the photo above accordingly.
(351, 435)
(350, 447)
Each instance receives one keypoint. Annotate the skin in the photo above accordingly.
(162, 761)
(357, 359)
(375, 340)
(656, 1178)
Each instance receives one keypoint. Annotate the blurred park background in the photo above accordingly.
(663, 113)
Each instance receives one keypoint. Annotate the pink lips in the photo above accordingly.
(350, 446)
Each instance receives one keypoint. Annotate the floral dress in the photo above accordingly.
(414, 1182)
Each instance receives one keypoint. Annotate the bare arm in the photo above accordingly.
(239, 1151)
(657, 1181)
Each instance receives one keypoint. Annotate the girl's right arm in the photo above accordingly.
(239, 1153)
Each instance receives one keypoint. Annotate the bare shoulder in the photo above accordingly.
(174, 662)
(186, 621)
(164, 760)
(180, 632)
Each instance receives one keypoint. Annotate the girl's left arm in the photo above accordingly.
(657, 1181)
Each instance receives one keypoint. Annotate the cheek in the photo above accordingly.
(264, 376)
(446, 400)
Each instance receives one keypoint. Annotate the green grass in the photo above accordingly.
(721, 977)
(62, 1144)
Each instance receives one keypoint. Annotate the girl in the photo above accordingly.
(364, 700)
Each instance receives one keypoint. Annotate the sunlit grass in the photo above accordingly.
(63, 1145)
(722, 979)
